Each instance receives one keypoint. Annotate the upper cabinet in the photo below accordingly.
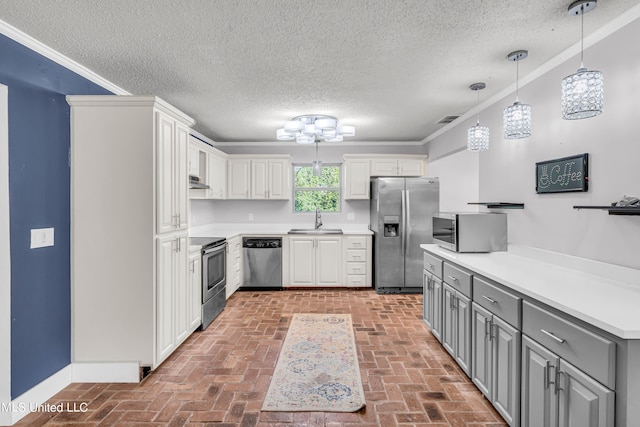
(359, 168)
(259, 177)
(209, 166)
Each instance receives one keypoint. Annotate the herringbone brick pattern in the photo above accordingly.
(220, 376)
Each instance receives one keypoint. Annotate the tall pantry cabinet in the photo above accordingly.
(129, 192)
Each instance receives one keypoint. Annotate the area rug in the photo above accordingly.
(317, 369)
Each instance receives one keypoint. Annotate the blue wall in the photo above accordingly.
(39, 197)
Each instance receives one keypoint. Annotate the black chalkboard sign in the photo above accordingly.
(563, 175)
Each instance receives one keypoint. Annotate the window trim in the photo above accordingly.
(294, 188)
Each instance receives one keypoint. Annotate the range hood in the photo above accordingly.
(194, 182)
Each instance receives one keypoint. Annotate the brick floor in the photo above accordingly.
(220, 376)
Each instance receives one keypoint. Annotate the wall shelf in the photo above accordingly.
(615, 210)
(499, 205)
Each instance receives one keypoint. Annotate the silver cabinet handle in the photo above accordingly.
(431, 266)
(549, 334)
(487, 327)
(455, 279)
(492, 301)
(547, 381)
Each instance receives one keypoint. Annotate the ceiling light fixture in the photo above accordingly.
(582, 92)
(308, 128)
(317, 164)
(478, 136)
(517, 117)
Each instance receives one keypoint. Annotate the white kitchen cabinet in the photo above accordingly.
(397, 166)
(238, 178)
(234, 248)
(194, 160)
(358, 263)
(172, 138)
(129, 172)
(356, 178)
(194, 289)
(217, 175)
(270, 179)
(315, 261)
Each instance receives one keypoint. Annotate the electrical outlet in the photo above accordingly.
(41, 237)
(250, 217)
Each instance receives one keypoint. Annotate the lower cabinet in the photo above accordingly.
(495, 362)
(432, 303)
(194, 290)
(172, 312)
(234, 248)
(557, 394)
(456, 326)
(315, 261)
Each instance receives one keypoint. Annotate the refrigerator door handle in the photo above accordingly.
(404, 222)
(407, 221)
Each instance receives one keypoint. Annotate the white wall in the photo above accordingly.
(507, 170)
(226, 211)
(459, 185)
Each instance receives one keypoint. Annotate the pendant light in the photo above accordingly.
(517, 117)
(582, 92)
(478, 136)
(317, 164)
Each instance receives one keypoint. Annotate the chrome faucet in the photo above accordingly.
(318, 218)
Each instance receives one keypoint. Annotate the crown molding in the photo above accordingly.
(321, 144)
(44, 50)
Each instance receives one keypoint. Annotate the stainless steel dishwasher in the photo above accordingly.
(261, 263)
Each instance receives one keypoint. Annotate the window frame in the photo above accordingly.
(294, 188)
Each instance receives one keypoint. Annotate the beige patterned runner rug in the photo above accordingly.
(317, 369)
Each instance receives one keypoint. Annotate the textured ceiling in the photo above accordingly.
(392, 68)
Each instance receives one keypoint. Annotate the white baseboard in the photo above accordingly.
(13, 411)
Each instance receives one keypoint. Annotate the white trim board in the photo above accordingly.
(5, 254)
(44, 50)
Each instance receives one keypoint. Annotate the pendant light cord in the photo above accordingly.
(517, 76)
(582, 36)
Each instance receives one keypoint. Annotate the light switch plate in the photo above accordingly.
(41, 237)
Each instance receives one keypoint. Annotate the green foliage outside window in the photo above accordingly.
(312, 191)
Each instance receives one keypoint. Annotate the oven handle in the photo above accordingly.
(215, 249)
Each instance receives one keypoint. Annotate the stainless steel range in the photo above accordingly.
(214, 282)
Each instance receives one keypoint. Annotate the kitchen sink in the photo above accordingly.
(315, 231)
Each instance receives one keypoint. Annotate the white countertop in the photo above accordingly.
(604, 295)
(229, 230)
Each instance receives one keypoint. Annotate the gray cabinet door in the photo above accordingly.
(427, 314)
(448, 319)
(506, 370)
(436, 299)
(462, 309)
(539, 407)
(582, 400)
(481, 351)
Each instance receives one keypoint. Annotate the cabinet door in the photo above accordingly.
(194, 160)
(279, 180)
(180, 177)
(259, 179)
(302, 260)
(481, 351)
(217, 177)
(410, 167)
(448, 319)
(462, 333)
(165, 343)
(165, 134)
(328, 261)
(538, 403)
(384, 167)
(436, 289)
(194, 295)
(427, 310)
(357, 179)
(238, 178)
(181, 302)
(506, 370)
(582, 401)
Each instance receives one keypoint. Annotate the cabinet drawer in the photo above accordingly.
(357, 255)
(356, 268)
(356, 242)
(433, 265)
(498, 301)
(592, 353)
(457, 278)
(356, 280)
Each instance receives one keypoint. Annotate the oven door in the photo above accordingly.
(444, 231)
(214, 264)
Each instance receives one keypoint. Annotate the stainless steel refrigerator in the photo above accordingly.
(401, 212)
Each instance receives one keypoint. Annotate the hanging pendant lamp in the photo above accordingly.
(478, 136)
(582, 92)
(517, 117)
(317, 164)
